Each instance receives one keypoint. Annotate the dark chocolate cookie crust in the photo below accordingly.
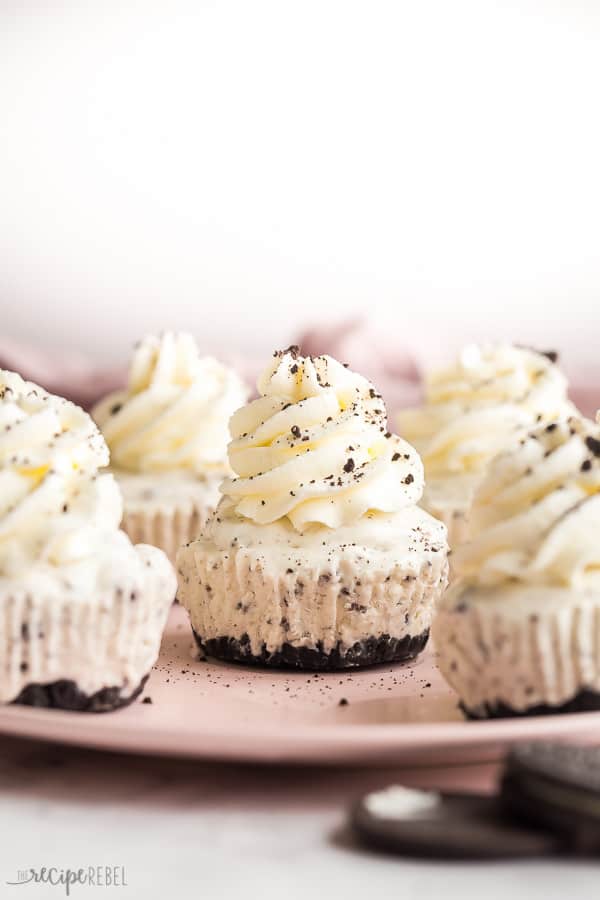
(584, 701)
(66, 695)
(369, 652)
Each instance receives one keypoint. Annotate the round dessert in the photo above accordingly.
(167, 434)
(519, 631)
(317, 556)
(555, 787)
(445, 826)
(82, 609)
(474, 409)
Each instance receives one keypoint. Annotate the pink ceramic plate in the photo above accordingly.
(208, 709)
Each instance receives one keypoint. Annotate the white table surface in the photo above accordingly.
(186, 829)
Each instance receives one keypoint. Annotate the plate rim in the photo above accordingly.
(310, 743)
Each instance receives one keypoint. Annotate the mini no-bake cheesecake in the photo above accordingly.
(81, 609)
(473, 409)
(519, 631)
(318, 555)
(167, 434)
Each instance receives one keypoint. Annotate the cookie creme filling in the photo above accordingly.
(318, 538)
(474, 409)
(520, 624)
(60, 543)
(173, 416)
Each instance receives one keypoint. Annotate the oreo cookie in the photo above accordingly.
(556, 786)
(369, 652)
(65, 694)
(445, 826)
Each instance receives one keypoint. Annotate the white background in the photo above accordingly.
(245, 168)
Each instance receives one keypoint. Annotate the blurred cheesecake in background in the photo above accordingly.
(167, 432)
(474, 409)
(519, 630)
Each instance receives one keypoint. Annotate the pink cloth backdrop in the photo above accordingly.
(393, 366)
(67, 374)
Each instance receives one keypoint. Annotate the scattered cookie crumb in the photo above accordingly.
(343, 702)
(147, 700)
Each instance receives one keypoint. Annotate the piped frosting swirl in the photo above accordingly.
(173, 415)
(314, 448)
(54, 508)
(536, 516)
(474, 408)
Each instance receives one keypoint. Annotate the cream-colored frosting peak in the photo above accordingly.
(474, 408)
(536, 516)
(54, 508)
(173, 415)
(314, 447)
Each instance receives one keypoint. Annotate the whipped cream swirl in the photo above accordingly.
(54, 508)
(173, 415)
(475, 407)
(314, 447)
(536, 515)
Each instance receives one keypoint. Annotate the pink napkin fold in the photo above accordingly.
(586, 397)
(67, 374)
(397, 370)
(385, 359)
(392, 368)
(70, 374)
